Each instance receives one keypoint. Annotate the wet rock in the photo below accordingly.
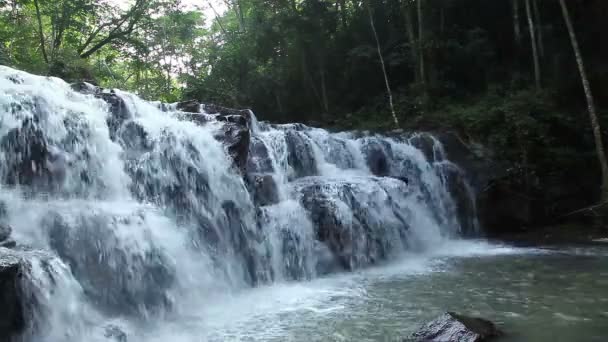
(118, 109)
(27, 155)
(236, 138)
(259, 160)
(5, 231)
(12, 318)
(360, 221)
(452, 327)
(115, 333)
(190, 106)
(264, 189)
(85, 88)
(118, 278)
(378, 154)
(300, 155)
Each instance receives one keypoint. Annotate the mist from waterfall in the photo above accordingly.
(140, 223)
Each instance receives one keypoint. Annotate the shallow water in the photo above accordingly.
(533, 294)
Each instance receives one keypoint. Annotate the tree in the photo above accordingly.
(381, 59)
(534, 44)
(593, 117)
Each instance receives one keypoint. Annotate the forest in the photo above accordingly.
(502, 73)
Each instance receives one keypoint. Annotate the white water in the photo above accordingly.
(155, 232)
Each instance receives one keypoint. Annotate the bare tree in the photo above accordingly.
(381, 58)
(534, 45)
(516, 26)
(595, 125)
(421, 43)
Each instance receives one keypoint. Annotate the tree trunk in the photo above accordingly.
(409, 26)
(539, 29)
(534, 46)
(381, 58)
(516, 27)
(41, 32)
(595, 125)
(421, 44)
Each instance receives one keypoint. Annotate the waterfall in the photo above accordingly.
(128, 213)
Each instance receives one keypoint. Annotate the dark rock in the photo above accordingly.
(5, 231)
(115, 277)
(425, 142)
(300, 156)
(452, 327)
(191, 106)
(378, 154)
(264, 189)
(115, 333)
(12, 317)
(118, 109)
(236, 138)
(259, 160)
(348, 218)
(8, 243)
(27, 155)
(200, 119)
(85, 88)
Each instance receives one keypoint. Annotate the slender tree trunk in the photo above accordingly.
(40, 32)
(381, 58)
(516, 26)
(539, 29)
(595, 125)
(421, 44)
(411, 34)
(534, 46)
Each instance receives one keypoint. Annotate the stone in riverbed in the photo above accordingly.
(452, 327)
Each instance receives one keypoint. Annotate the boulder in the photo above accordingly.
(27, 155)
(118, 278)
(12, 317)
(452, 327)
(264, 189)
(259, 160)
(190, 106)
(301, 156)
(236, 138)
(114, 333)
(5, 231)
(360, 220)
(378, 154)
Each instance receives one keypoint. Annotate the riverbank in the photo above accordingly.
(574, 233)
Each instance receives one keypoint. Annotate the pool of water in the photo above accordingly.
(533, 294)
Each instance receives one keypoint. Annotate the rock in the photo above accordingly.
(300, 155)
(115, 333)
(12, 318)
(236, 138)
(452, 327)
(378, 154)
(118, 109)
(5, 231)
(8, 243)
(259, 160)
(115, 277)
(85, 88)
(360, 220)
(27, 153)
(191, 106)
(264, 189)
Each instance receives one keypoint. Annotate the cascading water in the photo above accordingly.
(132, 215)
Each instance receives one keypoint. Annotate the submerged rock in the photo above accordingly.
(452, 327)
